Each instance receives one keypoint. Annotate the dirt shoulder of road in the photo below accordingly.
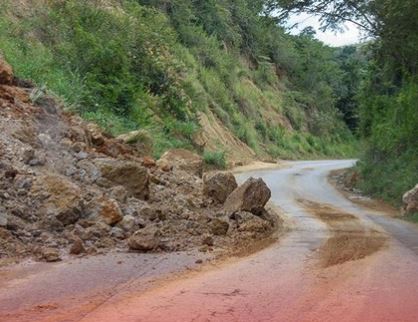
(260, 165)
(336, 178)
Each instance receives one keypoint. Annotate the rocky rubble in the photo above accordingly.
(67, 188)
(410, 201)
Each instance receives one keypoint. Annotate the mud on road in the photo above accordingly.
(350, 239)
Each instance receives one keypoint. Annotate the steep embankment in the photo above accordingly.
(218, 78)
(68, 188)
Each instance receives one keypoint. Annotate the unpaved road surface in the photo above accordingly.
(338, 262)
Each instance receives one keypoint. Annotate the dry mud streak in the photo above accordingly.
(350, 240)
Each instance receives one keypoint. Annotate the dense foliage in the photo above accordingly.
(388, 96)
(156, 64)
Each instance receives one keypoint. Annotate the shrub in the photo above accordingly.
(215, 158)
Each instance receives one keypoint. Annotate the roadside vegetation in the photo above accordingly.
(153, 65)
(385, 103)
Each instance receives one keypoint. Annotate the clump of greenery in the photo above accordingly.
(215, 159)
(390, 165)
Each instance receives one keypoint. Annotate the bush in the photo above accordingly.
(215, 158)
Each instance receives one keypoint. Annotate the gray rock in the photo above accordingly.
(128, 223)
(3, 219)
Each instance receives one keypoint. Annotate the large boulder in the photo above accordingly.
(182, 159)
(251, 196)
(131, 175)
(145, 240)
(6, 73)
(60, 197)
(219, 185)
(410, 201)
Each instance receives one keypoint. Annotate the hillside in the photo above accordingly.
(217, 77)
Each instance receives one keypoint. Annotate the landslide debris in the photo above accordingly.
(68, 188)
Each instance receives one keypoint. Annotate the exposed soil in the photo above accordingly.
(350, 239)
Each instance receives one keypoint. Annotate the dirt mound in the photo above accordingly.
(350, 240)
(66, 187)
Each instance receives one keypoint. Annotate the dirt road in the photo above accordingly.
(338, 262)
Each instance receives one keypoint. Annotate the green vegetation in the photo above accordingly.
(387, 97)
(216, 159)
(153, 65)
(413, 218)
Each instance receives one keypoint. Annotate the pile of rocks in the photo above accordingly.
(68, 188)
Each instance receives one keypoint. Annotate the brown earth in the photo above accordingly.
(214, 136)
(350, 240)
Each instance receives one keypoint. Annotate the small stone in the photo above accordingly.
(128, 223)
(148, 162)
(119, 193)
(108, 210)
(118, 233)
(95, 133)
(207, 240)
(77, 247)
(219, 227)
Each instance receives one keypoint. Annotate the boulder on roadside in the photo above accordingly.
(60, 197)
(251, 196)
(410, 201)
(6, 73)
(145, 240)
(219, 185)
(132, 176)
(182, 159)
(49, 254)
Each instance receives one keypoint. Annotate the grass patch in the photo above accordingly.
(216, 159)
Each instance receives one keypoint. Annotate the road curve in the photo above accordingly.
(296, 278)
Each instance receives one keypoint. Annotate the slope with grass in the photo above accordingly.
(218, 77)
